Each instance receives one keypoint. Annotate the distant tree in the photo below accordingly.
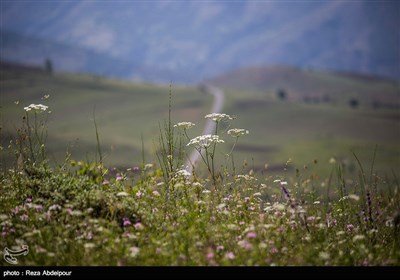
(281, 93)
(354, 103)
(48, 66)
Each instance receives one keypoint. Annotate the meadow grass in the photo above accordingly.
(125, 111)
(81, 213)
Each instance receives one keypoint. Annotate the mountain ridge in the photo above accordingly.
(192, 41)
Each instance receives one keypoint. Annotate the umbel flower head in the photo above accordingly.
(184, 125)
(204, 141)
(36, 107)
(182, 173)
(218, 117)
(236, 132)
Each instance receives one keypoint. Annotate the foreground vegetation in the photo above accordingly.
(81, 213)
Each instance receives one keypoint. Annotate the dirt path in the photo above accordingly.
(209, 127)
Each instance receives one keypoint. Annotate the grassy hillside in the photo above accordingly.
(124, 112)
(300, 84)
(303, 133)
(319, 128)
(280, 131)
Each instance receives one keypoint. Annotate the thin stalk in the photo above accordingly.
(30, 137)
(97, 137)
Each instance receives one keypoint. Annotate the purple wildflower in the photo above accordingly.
(245, 244)
(39, 207)
(251, 235)
(24, 217)
(350, 227)
(126, 222)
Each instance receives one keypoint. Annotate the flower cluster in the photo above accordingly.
(218, 117)
(204, 141)
(236, 132)
(184, 125)
(183, 173)
(36, 107)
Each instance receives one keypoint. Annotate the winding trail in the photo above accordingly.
(209, 127)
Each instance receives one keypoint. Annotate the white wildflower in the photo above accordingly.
(122, 194)
(232, 227)
(36, 107)
(89, 245)
(183, 173)
(54, 207)
(197, 184)
(354, 197)
(76, 213)
(236, 132)
(218, 117)
(358, 237)
(178, 185)
(134, 251)
(279, 206)
(3, 217)
(268, 226)
(324, 255)
(204, 141)
(245, 177)
(185, 125)
(221, 206)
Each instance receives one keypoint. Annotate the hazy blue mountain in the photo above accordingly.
(190, 41)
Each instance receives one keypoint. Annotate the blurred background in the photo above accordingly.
(310, 80)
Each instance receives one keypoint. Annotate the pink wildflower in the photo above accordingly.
(350, 227)
(210, 256)
(126, 222)
(230, 255)
(24, 217)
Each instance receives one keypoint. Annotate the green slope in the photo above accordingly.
(280, 131)
(124, 111)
